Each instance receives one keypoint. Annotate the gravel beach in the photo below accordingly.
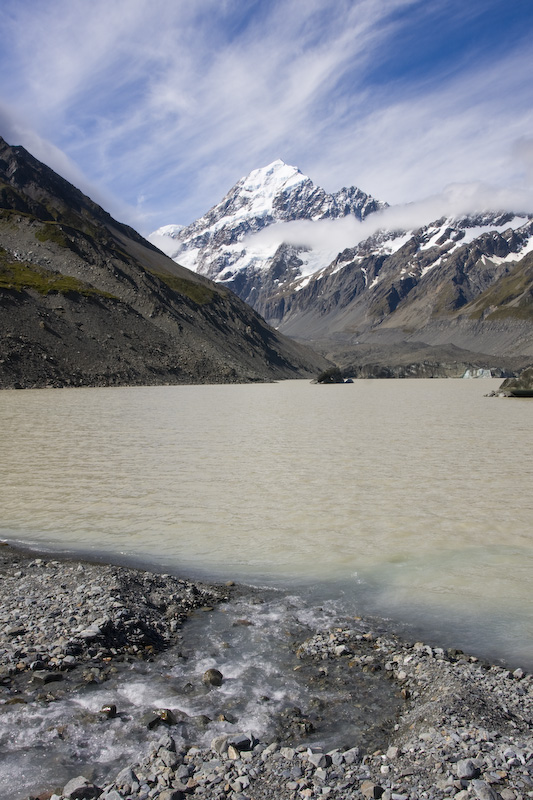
(458, 727)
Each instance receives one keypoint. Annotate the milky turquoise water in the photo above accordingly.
(410, 499)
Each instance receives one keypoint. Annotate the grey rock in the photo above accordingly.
(270, 750)
(213, 677)
(507, 794)
(466, 769)
(287, 752)
(522, 386)
(81, 789)
(484, 791)
(318, 759)
(241, 741)
(184, 771)
(167, 742)
(220, 744)
(171, 794)
(126, 777)
(370, 790)
(352, 755)
(168, 757)
(44, 676)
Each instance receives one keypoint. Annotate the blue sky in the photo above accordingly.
(157, 107)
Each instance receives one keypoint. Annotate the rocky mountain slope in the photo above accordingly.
(464, 282)
(85, 300)
(457, 293)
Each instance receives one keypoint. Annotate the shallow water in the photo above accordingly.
(252, 641)
(410, 499)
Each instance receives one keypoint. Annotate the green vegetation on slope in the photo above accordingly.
(197, 292)
(52, 232)
(21, 275)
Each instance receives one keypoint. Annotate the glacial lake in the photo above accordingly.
(406, 499)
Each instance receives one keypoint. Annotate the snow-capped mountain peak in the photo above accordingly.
(433, 282)
(265, 183)
(218, 244)
(164, 238)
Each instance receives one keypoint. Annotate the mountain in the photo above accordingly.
(85, 300)
(457, 292)
(217, 245)
(462, 282)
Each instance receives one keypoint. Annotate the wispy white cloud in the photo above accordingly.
(165, 105)
(522, 152)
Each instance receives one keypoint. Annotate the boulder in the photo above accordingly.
(212, 677)
(331, 375)
(81, 789)
(521, 386)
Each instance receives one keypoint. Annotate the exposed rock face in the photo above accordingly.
(87, 301)
(522, 386)
(442, 285)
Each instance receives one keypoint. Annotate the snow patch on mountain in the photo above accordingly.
(262, 186)
(460, 231)
(165, 239)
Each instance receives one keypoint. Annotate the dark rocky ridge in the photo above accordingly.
(415, 360)
(87, 301)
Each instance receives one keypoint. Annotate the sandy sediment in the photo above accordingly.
(459, 727)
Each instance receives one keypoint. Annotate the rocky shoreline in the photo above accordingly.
(458, 727)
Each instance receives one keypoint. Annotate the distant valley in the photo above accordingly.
(87, 301)
(451, 296)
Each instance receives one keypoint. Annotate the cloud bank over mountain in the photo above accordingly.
(334, 235)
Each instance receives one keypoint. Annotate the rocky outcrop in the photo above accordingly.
(522, 386)
(332, 375)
